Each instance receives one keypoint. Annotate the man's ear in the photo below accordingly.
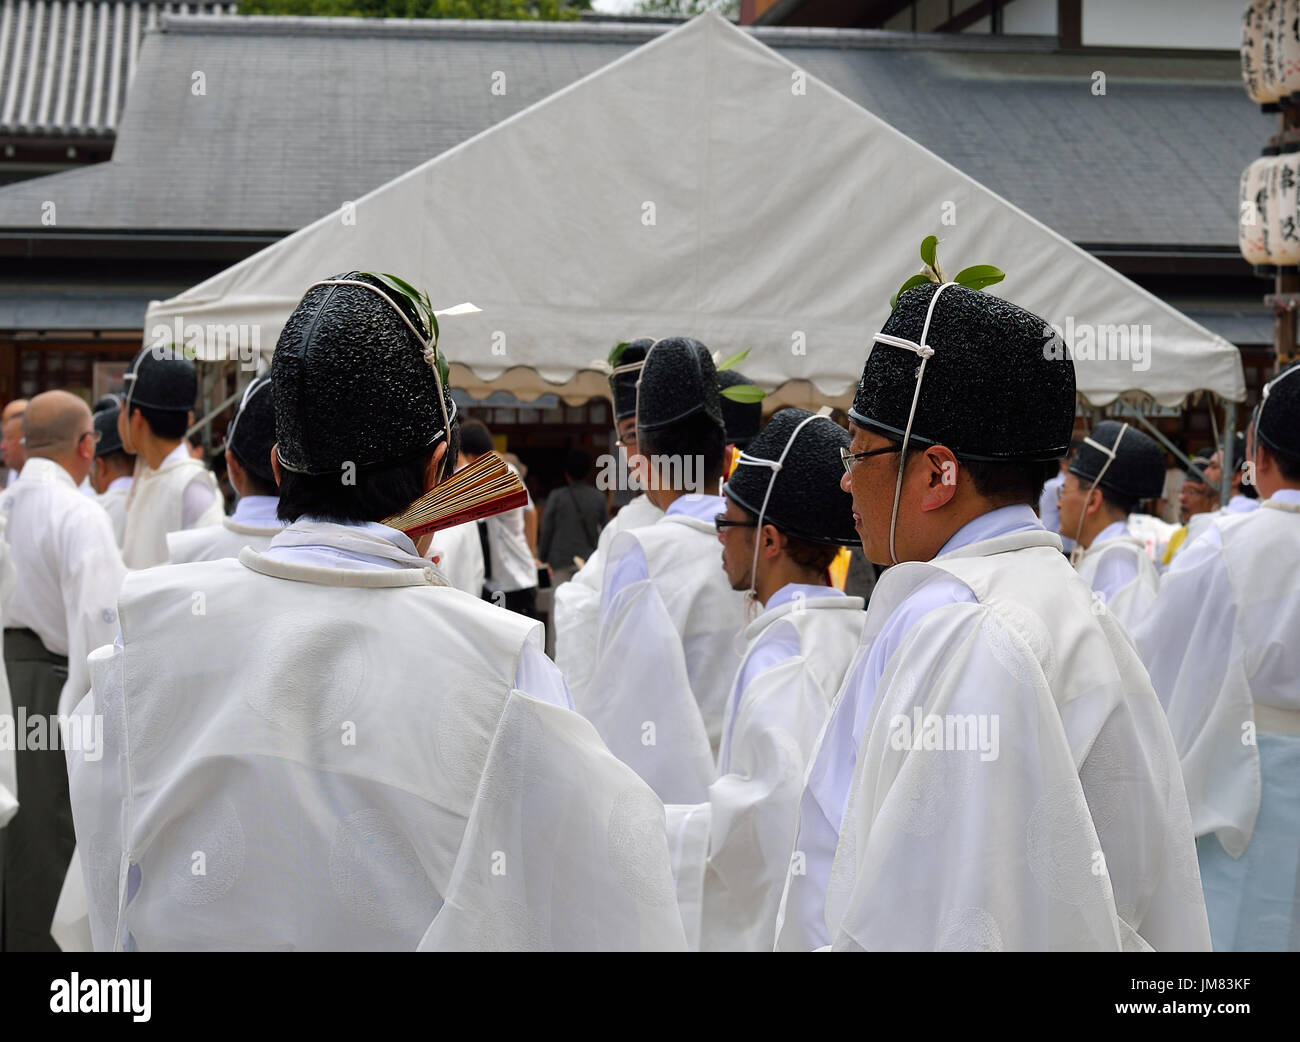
(771, 541)
(275, 463)
(939, 466)
(434, 466)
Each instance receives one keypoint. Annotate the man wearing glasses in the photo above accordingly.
(996, 772)
(66, 572)
(785, 521)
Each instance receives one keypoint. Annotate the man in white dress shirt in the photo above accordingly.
(1117, 467)
(112, 472)
(1222, 650)
(67, 571)
(357, 755)
(248, 464)
(785, 521)
(172, 490)
(996, 772)
(668, 643)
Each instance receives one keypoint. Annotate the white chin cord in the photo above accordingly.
(926, 352)
(1076, 555)
(744, 459)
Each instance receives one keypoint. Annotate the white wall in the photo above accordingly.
(1161, 23)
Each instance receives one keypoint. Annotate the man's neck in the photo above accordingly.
(155, 450)
(663, 498)
(1095, 525)
(783, 572)
(69, 466)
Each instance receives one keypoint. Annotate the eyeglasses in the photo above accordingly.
(847, 457)
(721, 522)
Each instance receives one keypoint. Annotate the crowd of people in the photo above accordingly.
(925, 677)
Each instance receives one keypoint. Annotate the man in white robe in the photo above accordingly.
(1223, 655)
(458, 554)
(1048, 503)
(785, 521)
(248, 464)
(172, 490)
(112, 472)
(66, 574)
(996, 772)
(354, 754)
(575, 607)
(668, 644)
(1116, 468)
(11, 439)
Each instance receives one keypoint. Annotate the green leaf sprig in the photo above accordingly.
(746, 394)
(977, 277)
(424, 307)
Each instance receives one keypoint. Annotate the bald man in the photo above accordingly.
(67, 572)
(11, 438)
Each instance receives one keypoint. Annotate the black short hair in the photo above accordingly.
(1012, 482)
(117, 459)
(697, 435)
(803, 552)
(379, 492)
(475, 438)
(1115, 501)
(1288, 464)
(576, 464)
(259, 486)
(165, 423)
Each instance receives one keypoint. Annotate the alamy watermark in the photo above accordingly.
(1085, 342)
(216, 341)
(616, 472)
(81, 733)
(951, 732)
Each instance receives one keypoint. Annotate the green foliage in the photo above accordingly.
(977, 277)
(732, 361)
(743, 393)
(688, 8)
(514, 10)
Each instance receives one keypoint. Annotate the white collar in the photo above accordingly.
(46, 471)
(697, 505)
(123, 484)
(1114, 530)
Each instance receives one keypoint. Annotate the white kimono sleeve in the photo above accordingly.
(8, 765)
(752, 813)
(564, 849)
(640, 697)
(969, 831)
(96, 787)
(1196, 658)
(576, 619)
(92, 582)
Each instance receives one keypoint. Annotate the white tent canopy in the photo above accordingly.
(702, 185)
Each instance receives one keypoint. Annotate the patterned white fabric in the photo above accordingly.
(351, 773)
(1121, 575)
(156, 506)
(731, 853)
(666, 653)
(1069, 831)
(576, 608)
(114, 503)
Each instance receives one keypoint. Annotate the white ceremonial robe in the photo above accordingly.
(1049, 508)
(996, 772)
(252, 524)
(458, 553)
(1152, 532)
(66, 566)
(114, 503)
(156, 505)
(1121, 575)
(8, 765)
(1222, 649)
(346, 749)
(730, 854)
(667, 650)
(575, 614)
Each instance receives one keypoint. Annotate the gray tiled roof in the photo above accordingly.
(65, 64)
(300, 115)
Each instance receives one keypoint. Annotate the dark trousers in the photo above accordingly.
(522, 601)
(37, 844)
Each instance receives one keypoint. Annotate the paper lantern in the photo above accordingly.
(1286, 52)
(1252, 222)
(1260, 63)
(1282, 211)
